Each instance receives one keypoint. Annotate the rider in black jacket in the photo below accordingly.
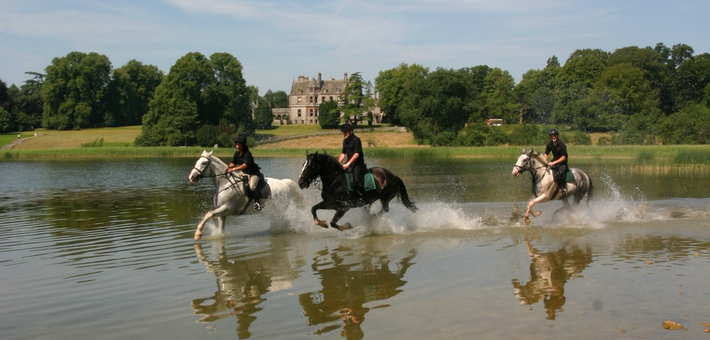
(243, 160)
(352, 149)
(559, 159)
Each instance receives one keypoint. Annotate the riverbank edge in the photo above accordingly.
(678, 154)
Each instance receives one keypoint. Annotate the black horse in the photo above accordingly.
(336, 195)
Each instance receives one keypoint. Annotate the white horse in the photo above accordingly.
(544, 186)
(230, 196)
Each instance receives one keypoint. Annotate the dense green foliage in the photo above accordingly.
(74, 91)
(329, 114)
(354, 102)
(278, 99)
(197, 91)
(129, 93)
(27, 104)
(638, 95)
(635, 95)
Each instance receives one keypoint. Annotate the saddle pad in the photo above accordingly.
(569, 176)
(369, 181)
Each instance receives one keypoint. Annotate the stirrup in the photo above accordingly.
(257, 206)
(564, 192)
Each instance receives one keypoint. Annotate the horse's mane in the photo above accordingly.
(539, 157)
(330, 161)
(213, 157)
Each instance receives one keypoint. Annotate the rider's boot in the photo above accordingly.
(563, 189)
(361, 194)
(257, 197)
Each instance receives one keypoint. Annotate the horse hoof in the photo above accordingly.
(198, 236)
(345, 226)
(527, 220)
(323, 224)
(537, 213)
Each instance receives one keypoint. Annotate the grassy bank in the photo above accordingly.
(118, 142)
(650, 155)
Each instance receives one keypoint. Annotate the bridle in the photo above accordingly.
(528, 167)
(320, 176)
(233, 179)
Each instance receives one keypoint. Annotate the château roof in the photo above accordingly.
(331, 87)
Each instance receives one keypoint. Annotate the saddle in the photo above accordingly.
(368, 182)
(568, 176)
(261, 187)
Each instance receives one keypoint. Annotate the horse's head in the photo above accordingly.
(310, 170)
(202, 167)
(523, 163)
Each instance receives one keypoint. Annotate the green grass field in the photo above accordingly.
(118, 142)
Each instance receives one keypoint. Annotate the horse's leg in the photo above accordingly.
(338, 215)
(565, 206)
(385, 206)
(220, 222)
(321, 205)
(221, 211)
(541, 198)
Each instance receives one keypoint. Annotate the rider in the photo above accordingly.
(559, 159)
(352, 149)
(243, 160)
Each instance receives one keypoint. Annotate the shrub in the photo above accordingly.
(496, 137)
(604, 141)
(206, 136)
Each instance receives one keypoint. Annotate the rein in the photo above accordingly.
(533, 174)
(231, 177)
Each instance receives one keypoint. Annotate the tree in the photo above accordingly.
(5, 101)
(129, 93)
(390, 85)
(74, 91)
(328, 114)
(278, 99)
(692, 76)
(197, 91)
(28, 105)
(688, 126)
(354, 103)
(263, 116)
(499, 96)
(583, 67)
(441, 101)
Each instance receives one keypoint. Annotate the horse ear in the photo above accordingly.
(523, 150)
(306, 152)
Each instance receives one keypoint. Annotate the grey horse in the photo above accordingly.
(543, 184)
(230, 197)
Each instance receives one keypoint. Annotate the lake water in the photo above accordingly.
(97, 249)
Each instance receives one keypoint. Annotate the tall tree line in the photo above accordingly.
(647, 95)
(639, 95)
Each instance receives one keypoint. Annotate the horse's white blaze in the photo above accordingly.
(304, 167)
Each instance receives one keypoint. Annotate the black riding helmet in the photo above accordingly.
(347, 127)
(240, 139)
(554, 132)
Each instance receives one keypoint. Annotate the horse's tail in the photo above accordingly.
(405, 197)
(296, 193)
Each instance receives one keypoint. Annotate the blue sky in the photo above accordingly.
(276, 41)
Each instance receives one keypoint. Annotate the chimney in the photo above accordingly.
(346, 76)
(319, 79)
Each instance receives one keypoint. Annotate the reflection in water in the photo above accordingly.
(242, 283)
(347, 286)
(548, 274)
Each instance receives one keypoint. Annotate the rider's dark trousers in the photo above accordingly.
(358, 176)
(560, 175)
